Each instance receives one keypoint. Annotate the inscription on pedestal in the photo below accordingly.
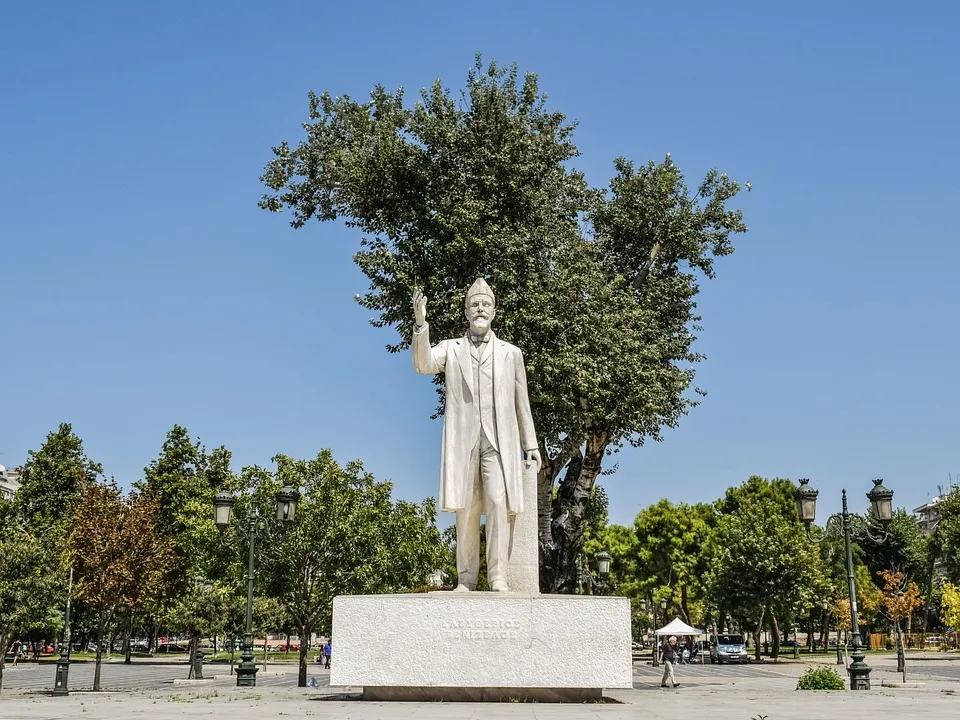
(481, 629)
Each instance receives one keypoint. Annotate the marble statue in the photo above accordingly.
(487, 426)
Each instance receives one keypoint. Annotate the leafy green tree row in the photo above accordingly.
(746, 557)
(152, 559)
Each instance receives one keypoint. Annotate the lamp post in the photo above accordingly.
(881, 502)
(603, 570)
(656, 638)
(286, 499)
(901, 663)
(646, 616)
(61, 684)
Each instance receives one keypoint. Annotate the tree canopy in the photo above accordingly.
(52, 482)
(597, 286)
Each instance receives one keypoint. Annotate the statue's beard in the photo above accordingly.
(480, 325)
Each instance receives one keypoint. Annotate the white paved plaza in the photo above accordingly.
(731, 692)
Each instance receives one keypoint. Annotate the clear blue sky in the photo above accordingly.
(142, 287)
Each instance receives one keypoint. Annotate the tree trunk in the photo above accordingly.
(154, 633)
(99, 659)
(4, 639)
(191, 653)
(683, 604)
(775, 631)
(572, 498)
(304, 647)
(127, 650)
(756, 635)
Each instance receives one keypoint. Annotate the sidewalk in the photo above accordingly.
(771, 697)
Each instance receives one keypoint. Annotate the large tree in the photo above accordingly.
(762, 567)
(597, 287)
(671, 554)
(52, 482)
(114, 549)
(348, 537)
(182, 481)
(29, 587)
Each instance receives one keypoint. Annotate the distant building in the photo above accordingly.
(9, 482)
(928, 515)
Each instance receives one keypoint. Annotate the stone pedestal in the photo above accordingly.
(481, 646)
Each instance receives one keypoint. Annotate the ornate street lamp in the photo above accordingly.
(806, 498)
(603, 564)
(61, 684)
(287, 500)
(223, 502)
(881, 502)
(656, 638)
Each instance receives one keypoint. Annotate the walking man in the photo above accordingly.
(668, 656)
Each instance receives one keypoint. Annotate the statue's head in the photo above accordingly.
(480, 307)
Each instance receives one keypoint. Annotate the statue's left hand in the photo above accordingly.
(534, 456)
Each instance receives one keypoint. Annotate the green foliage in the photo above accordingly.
(9, 518)
(349, 537)
(947, 535)
(203, 611)
(899, 546)
(29, 587)
(182, 481)
(52, 482)
(671, 554)
(761, 562)
(777, 490)
(821, 678)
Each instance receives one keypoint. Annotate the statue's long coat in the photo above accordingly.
(515, 431)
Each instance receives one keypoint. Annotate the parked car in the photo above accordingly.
(168, 647)
(729, 648)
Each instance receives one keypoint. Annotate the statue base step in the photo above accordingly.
(481, 646)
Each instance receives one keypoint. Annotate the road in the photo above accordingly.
(156, 675)
(145, 675)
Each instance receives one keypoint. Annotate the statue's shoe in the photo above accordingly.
(461, 588)
(500, 586)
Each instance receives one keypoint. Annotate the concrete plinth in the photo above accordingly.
(481, 646)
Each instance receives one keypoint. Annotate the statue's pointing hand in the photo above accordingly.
(419, 307)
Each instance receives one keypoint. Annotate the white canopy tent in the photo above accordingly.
(677, 627)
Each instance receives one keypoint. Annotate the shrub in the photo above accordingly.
(822, 678)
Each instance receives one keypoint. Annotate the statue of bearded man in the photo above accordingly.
(487, 428)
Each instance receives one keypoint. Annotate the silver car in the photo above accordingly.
(729, 648)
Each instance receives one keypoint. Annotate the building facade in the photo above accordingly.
(928, 514)
(9, 483)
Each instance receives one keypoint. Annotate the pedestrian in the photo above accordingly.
(668, 656)
(326, 655)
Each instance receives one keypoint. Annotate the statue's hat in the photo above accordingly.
(480, 287)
